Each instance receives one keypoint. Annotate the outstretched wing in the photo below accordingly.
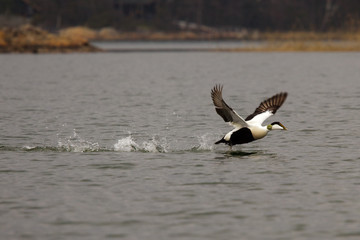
(226, 112)
(267, 108)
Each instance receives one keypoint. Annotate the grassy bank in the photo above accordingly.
(113, 34)
(301, 46)
(32, 39)
(311, 36)
(273, 41)
(107, 34)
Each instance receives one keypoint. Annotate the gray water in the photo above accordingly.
(124, 46)
(120, 146)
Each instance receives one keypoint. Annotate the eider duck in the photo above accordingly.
(250, 129)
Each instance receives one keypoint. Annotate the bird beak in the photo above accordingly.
(283, 126)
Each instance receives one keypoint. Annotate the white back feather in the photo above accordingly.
(260, 118)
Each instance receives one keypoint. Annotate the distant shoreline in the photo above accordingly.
(30, 39)
(227, 46)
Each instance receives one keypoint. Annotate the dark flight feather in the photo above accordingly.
(272, 104)
(224, 110)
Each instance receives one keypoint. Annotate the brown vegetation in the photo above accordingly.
(291, 36)
(301, 46)
(109, 33)
(32, 39)
(184, 35)
(80, 33)
(311, 36)
(28, 38)
(307, 41)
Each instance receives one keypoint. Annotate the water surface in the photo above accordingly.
(120, 146)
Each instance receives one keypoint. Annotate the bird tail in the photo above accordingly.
(221, 141)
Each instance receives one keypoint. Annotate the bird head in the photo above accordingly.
(276, 126)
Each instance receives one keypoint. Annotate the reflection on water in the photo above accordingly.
(170, 46)
(241, 153)
(105, 145)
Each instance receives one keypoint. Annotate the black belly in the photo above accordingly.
(243, 135)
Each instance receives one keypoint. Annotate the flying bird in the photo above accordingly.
(248, 129)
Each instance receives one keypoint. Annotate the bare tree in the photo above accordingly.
(330, 9)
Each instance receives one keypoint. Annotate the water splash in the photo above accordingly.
(161, 144)
(206, 142)
(128, 144)
(28, 148)
(153, 144)
(76, 143)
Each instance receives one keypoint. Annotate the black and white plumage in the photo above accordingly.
(248, 129)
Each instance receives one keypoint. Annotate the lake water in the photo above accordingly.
(174, 46)
(120, 146)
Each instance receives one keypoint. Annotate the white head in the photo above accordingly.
(276, 126)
